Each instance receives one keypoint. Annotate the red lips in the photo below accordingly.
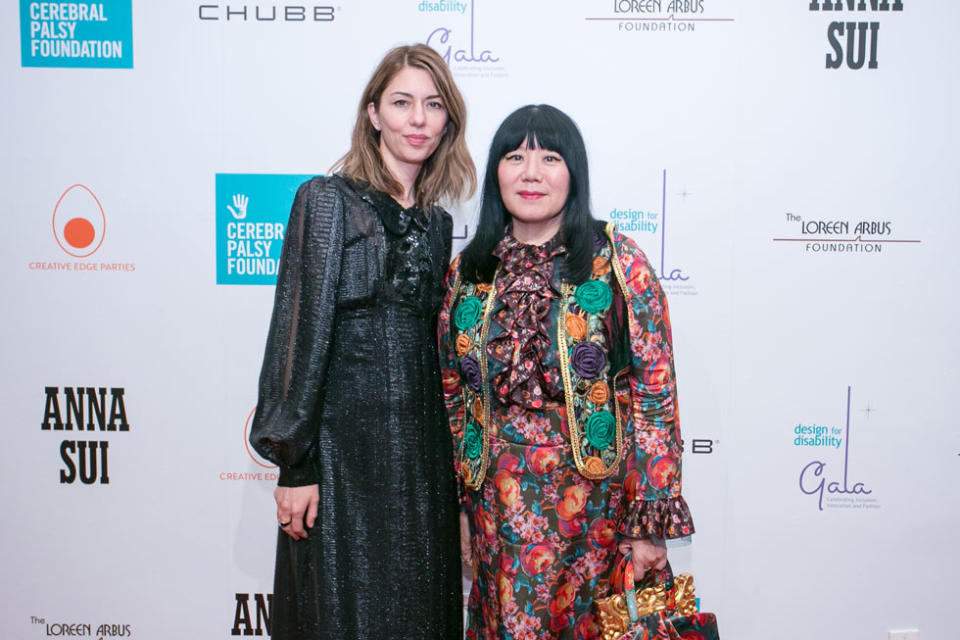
(416, 140)
(530, 195)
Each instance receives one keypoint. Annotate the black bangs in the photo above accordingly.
(544, 127)
(537, 127)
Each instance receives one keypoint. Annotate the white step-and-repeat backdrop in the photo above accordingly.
(790, 168)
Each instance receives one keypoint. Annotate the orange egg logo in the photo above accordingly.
(79, 223)
(246, 443)
(572, 503)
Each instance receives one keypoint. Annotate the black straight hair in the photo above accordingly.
(539, 127)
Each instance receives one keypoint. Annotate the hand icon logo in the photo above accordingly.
(240, 202)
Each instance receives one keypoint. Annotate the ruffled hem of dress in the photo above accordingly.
(663, 518)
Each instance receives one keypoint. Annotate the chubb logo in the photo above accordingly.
(79, 223)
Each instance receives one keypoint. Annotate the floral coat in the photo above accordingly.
(546, 506)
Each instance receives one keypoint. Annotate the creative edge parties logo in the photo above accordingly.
(639, 16)
(815, 478)
(79, 229)
(635, 222)
(266, 470)
(252, 210)
(95, 35)
(849, 40)
(461, 48)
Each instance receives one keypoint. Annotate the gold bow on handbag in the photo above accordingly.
(620, 614)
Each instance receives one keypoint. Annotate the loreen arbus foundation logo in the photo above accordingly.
(854, 42)
(659, 16)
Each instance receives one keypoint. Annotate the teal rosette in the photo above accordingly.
(601, 429)
(467, 313)
(594, 296)
(473, 441)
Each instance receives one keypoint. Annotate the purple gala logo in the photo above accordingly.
(815, 481)
(440, 39)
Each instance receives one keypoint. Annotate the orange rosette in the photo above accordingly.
(576, 326)
(466, 473)
(478, 411)
(463, 344)
(484, 287)
(601, 266)
(594, 465)
(572, 503)
(599, 393)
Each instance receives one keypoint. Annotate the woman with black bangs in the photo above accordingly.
(559, 382)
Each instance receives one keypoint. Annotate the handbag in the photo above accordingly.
(666, 609)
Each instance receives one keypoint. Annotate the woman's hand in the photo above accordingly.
(466, 554)
(647, 554)
(296, 506)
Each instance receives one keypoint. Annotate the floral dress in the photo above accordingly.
(544, 534)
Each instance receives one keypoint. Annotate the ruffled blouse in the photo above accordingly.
(525, 289)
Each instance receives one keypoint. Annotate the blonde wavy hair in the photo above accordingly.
(448, 175)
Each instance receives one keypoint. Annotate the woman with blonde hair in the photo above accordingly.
(350, 404)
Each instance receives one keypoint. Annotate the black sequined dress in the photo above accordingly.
(350, 399)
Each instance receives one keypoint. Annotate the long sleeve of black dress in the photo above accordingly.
(298, 343)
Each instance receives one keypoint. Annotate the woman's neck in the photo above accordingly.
(535, 233)
(406, 174)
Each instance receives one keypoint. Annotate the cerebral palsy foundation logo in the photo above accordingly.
(76, 34)
(251, 213)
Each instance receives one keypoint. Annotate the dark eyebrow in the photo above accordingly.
(410, 95)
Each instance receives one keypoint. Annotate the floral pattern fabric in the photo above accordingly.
(544, 536)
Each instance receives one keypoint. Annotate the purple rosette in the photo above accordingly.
(587, 359)
(470, 369)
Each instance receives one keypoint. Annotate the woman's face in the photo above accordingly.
(411, 118)
(534, 184)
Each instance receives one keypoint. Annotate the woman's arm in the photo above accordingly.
(655, 509)
(453, 398)
(298, 343)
